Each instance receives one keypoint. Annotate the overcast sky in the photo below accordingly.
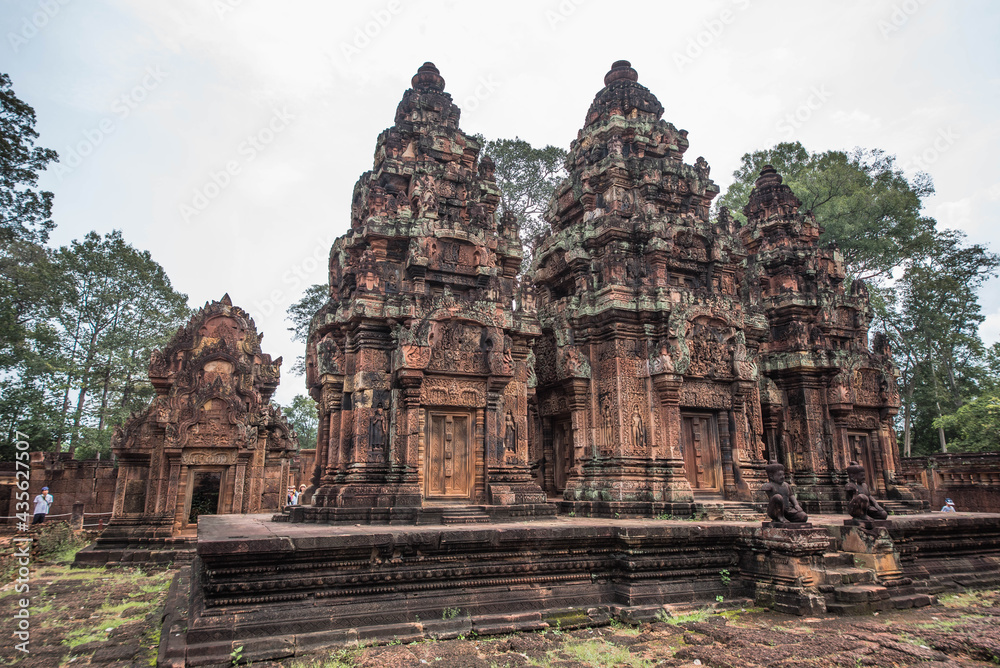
(225, 136)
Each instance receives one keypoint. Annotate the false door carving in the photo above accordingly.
(449, 460)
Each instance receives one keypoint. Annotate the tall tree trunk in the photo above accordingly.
(937, 403)
(69, 384)
(104, 396)
(907, 421)
(82, 397)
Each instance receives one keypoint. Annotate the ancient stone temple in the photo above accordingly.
(419, 361)
(827, 399)
(209, 443)
(646, 388)
(653, 363)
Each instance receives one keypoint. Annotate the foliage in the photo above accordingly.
(932, 315)
(301, 314)
(861, 198)
(58, 542)
(527, 178)
(302, 415)
(118, 306)
(25, 211)
(28, 285)
(977, 424)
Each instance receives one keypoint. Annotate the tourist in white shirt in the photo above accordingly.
(42, 504)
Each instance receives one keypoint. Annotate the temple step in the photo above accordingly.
(905, 506)
(464, 515)
(849, 576)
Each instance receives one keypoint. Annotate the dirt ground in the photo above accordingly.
(963, 630)
(96, 617)
(83, 616)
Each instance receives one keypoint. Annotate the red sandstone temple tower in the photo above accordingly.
(209, 443)
(419, 360)
(647, 394)
(827, 399)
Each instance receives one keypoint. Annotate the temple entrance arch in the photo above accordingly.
(449, 462)
(204, 496)
(700, 451)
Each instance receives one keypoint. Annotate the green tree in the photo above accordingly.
(527, 178)
(25, 211)
(302, 415)
(862, 199)
(933, 315)
(29, 286)
(300, 314)
(118, 305)
(977, 424)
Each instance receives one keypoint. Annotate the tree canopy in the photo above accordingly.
(300, 315)
(302, 415)
(861, 198)
(25, 211)
(527, 178)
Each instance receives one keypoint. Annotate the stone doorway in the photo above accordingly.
(562, 453)
(700, 450)
(449, 462)
(859, 445)
(205, 487)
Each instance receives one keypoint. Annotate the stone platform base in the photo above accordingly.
(280, 589)
(418, 515)
(93, 555)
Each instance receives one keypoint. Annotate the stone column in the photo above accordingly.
(333, 403)
(668, 389)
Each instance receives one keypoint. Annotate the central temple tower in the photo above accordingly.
(647, 395)
(419, 360)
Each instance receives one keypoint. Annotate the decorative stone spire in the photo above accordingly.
(624, 96)
(428, 76)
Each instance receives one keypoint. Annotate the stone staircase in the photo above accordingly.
(850, 589)
(453, 514)
(906, 507)
(713, 507)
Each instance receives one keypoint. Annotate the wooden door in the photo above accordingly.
(700, 450)
(861, 452)
(562, 450)
(449, 460)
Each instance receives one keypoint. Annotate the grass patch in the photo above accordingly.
(623, 628)
(693, 616)
(342, 658)
(965, 599)
(593, 653)
(914, 640)
(947, 624)
(58, 542)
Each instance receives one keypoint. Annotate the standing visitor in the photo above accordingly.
(949, 506)
(42, 504)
